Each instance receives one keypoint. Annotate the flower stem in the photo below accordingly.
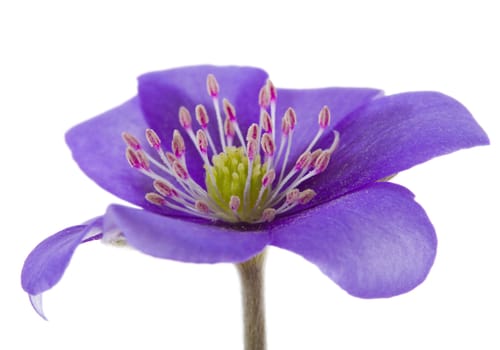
(252, 287)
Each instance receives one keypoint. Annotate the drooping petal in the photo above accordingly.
(46, 264)
(99, 150)
(308, 103)
(377, 242)
(163, 93)
(392, 134)
(181, 240)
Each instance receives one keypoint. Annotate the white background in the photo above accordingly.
(64, 62)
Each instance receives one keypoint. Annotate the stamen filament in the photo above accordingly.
(272, 104)
(215, 101)
(287, 154)
(156, 199)
(152, 175)
(210, 141)
(336, 141)
(315, 139)
(238, 132)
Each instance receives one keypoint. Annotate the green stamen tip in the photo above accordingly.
(230, 172)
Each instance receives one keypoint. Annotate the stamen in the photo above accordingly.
(202, 207)
(180, 170)
(322, 162)
(185, 118)
(253, 132)
(264, 98)
(229, 110)
(285, 131)
(202, 141)
(251, 149)
(132, 158)
(234, 203)
(165, 189)
(292, 196)
(171, 158)
(314, 156)
(202, 148)
(153, 139)
(155, 199)
(212, 86)
(268, 179)
(291, 117)
(302, 164)
(303, 161)
(265, 121)
(201, 211)
(137, 159)
(285, 125)
(186, 122)
(229, 131)
(323, 121)
(231, 115)
(202, 116)
(306, 196)
(273, 95)
(268, 215)
(267, 145)
(324, 117)
(131, 141)
(213, 91)
(178, 146)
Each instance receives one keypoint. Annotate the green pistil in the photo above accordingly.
(230, 170)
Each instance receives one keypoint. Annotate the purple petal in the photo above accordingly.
(46, 264)
(181, 240)
(374, 243)
(163, 93)
(99, 150)
(392, 134)
(307, 105)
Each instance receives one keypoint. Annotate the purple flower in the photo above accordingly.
(223, 164)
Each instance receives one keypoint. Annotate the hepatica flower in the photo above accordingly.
(223, 164)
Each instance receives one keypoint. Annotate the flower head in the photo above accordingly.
(239, 175)
(223, 164)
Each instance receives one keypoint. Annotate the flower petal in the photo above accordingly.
(163, 93)
(181, 240)
(307, 105)
(99, 150)
(374, 243)
(392, 134)
(46, 264)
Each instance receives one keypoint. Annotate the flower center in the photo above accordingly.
(234, 183)
(252, 182)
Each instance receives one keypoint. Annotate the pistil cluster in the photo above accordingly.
(247, 178)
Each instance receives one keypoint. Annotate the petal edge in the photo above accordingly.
(374, 243)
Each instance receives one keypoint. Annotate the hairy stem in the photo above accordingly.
(252, 287)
